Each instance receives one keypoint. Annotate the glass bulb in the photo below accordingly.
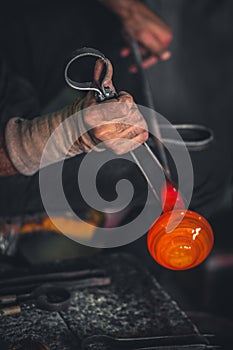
(186, 246)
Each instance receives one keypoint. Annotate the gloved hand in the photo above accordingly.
(113, 122)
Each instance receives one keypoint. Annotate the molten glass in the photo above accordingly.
(180, 245)
(170, 196)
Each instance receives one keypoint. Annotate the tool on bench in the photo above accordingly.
(185, 342)
(52, 291)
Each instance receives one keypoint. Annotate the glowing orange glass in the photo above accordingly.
(170, 196)
(185, 246)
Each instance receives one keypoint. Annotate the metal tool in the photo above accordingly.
(103, 93)
(195, 137)
(203, 136)
(184, 342)
(53, 296)
(49, 297)
(50, 277)
(153, 123)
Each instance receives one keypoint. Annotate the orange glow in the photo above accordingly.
(186, 246)
(69, 226)
(169, 197)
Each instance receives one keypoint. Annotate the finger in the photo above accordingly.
(125, 52)
(133, 69)
(135, 118)
(125, 97)
(121, 146)
(118, 108)
(165, 55)
(100, 66)
(131, 132)
(110, 131)
(89, 99)
(146, 63)
(123, 129)
(105, 113)
(137, 141)
(151, 43)
(161, 31)
(114, 130)
(123, 110)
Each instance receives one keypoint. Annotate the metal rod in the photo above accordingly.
(150, 104)
(145, 176)
(153, 156)
(53, 276)
(158, 163)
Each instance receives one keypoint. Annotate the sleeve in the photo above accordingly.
(17, 98)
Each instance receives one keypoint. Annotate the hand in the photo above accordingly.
(65, 133)
(116, 122)
(143, 26)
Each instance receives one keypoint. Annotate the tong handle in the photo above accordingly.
(102, 92)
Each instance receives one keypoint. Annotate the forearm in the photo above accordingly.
(6, 166)
(25, 140)
(78, 128)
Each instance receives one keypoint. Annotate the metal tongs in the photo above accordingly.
(103, 93)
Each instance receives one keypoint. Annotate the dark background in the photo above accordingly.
(194, 86)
